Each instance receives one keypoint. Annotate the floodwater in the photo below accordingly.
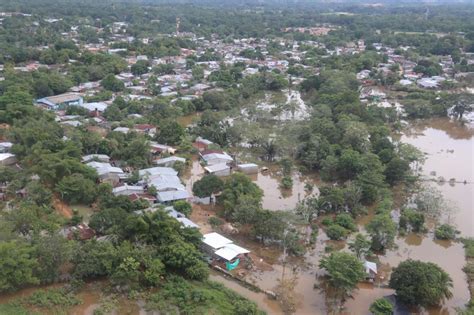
(277, 198)
(449, 148)
(438, 138)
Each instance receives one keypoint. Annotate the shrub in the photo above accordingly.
(336, 232)
(445, 232)
(346, 221)
(381, 307)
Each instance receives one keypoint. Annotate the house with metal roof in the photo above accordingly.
(60, 101)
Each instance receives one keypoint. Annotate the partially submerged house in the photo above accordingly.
(223, 249)
(212, 157)
(221, 169)
(248, 168)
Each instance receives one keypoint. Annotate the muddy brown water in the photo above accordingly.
(450, 153)
(435, 137)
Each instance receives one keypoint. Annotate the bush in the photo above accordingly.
(286, 182)
(346, 221)
(215, 222)
(336, 232)
(52, 298)
(445, 232)
(381, 307)
(327, 222)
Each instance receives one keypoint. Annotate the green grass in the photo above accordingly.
(469, 247)
(186, 297)
(51, 298)
(15, 308)
(84, 211)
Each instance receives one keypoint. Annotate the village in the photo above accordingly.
(157, 120)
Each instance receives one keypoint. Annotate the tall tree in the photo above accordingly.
(420, 283)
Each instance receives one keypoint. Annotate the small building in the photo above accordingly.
(370, 269)
(212, 157)
(221, 169)
(214, 241)
(5, 147)
(96, 157)
(94, 106)
(60, 101)
(107, 172)
(7, 159)
(142, 196)
(169, 161)
(127, 190)
(202, 144)
(248, 168)
(170, 196)
(155, 171)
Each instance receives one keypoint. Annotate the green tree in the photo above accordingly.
(336, 232)
(420, 283)
(446, 232)
(17, 265)
(53, 251)
(140, 67)
(111, 83)
(183, 206)
(344, 271)
(360, 246)
(207, 186)
(382, 231)
(77, 189)
(381, 306)
(170, 133)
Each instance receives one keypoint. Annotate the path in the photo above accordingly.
(61, 207)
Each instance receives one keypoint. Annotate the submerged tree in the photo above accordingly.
(420, 283)
(344, 271)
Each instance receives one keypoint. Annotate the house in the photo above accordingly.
(166, 183)
(230, 251)
(157, 148)
(212, 157)
(127, 190)
(248, 168)
(7, 159)
(145, 129)
(169, 161)
(122, 130)
(221, 169)
(154, 171)
(224, 250)
(81, 232)
(60, 101)
(370, 269)
(202, 144)
(214, 241)
(96, 157)
(94, 106)
(143, 196)
(108, 172)
(181, 218)
(5, 147)
(172, 196)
